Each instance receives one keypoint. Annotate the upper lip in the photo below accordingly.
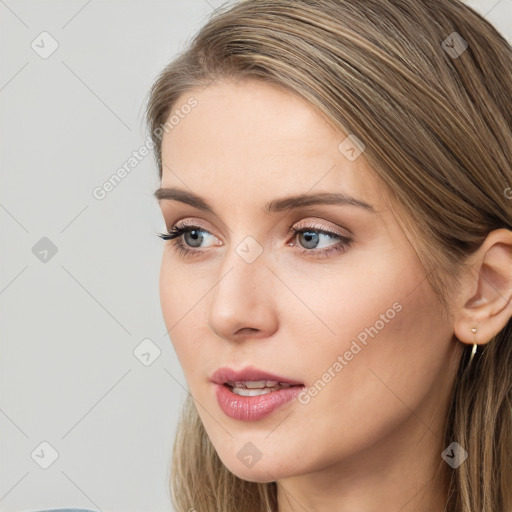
(249, 373)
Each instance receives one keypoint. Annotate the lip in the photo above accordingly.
(251, 408)
(249, 373)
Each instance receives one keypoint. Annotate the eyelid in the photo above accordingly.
(312, 224)
(192, 223)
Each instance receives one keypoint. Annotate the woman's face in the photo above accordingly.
(342, 307)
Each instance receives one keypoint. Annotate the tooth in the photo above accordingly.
(272, 385)
(251, 392)
(253, 384)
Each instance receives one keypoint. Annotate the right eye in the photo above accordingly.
(176, 234)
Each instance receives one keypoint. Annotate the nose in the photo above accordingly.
(243, 302)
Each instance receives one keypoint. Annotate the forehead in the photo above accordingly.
(259, 140)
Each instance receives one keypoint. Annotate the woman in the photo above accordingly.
(337, 277)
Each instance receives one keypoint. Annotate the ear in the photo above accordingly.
(484, 301)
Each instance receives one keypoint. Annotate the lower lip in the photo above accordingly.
(252, 408)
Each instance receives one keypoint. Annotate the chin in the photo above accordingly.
(258, 475)
(264, 470)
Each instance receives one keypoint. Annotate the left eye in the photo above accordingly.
(312, 236)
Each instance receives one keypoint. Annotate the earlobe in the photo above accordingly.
(485, 296)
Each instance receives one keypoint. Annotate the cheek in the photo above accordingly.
(337, 304)
(181, 310)
(381, 316)
(387, 359)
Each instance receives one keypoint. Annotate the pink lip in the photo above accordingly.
(224, 374)
(251, 408)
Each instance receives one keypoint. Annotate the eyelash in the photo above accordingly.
(176, 232)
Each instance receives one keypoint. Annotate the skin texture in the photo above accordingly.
(372, 437)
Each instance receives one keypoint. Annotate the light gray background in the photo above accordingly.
(69, 325)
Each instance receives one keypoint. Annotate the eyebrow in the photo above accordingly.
(274, 206)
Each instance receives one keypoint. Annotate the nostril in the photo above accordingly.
(246, 330)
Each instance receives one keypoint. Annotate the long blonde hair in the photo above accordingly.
(436, 120)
